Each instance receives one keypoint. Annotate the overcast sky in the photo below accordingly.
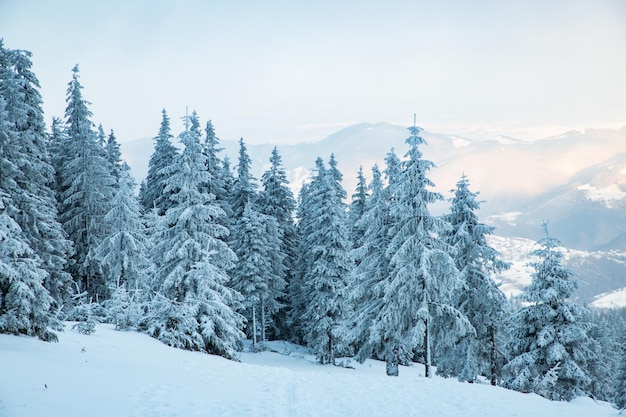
(280, 71)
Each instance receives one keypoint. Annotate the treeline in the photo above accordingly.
(207, 256)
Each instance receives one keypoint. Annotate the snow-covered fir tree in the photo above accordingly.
(194, 309)
(31, 180)
(620, 379)
(88, 190)
(59, 151)
(356, 210)
(481, 353)
(165, 152)
(295, 287)
(605, 367)
(123, 254)
(550, 348)
(215, 166)
(418, 311)
(114, 155)
(326, 266)
(25, 304)
(259, 273)
(369, 277)
(244, 187)
(276, 200)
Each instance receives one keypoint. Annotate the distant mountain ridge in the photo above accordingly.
(576, 181)
(573, 178)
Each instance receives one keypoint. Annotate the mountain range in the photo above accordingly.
(575, 181)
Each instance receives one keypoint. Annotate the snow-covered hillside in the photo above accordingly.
(121, 374)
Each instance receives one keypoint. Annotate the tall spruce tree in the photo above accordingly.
(244, 187)
(194, 309)
(31, 181)
(418, 310)
(25, 304)
(481, 353)
(220, 179)
(295, 288)
(113, 155)
(369, 277)
(123, 253)
(620, 379)
(259, 274)
(356, 210)
(88, 189)
(550, 348)
(327, 266)
(153, 194)
(276, 200)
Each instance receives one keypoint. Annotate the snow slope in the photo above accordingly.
(117, 374)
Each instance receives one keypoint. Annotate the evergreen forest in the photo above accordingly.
(202, 256)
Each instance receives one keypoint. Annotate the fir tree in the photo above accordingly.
(327, 266)
(276, 200)
(123, 253)
(24, 301)
(114, 156)
(31, 180)
(369, 277)
(356, 210)
(162, 158)
(481, 301)
(244, 187)
(620, 386)
(259, 275)
(220, 180)
(550, 347)
(194, 308)
(88, 189)
(418, 310)
(605, 367)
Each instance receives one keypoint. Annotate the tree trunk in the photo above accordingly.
(493, 358)
(263, 325)
(253, 327)
(392, 361)
(427, 372)
(331, 347)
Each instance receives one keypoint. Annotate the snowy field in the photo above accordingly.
(117, 374)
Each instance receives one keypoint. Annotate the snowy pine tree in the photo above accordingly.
(162, 158)
(276, 200)
(259, 274)
(369, 277)
(326, 266)
(550, 348)
(480, 300)
(123, 253)
(356, 210)
(620, 378)
(194, 309)
(418, 310)
(244, 187)
(31, 180)
(24, 301)
(88, 189)
(114, 155)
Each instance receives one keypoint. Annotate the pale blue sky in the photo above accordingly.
(275, 71)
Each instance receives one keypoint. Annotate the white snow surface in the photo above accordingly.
(117, 374)
(610, 300)
(605, 194)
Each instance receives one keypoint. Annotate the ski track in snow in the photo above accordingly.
(117, 374)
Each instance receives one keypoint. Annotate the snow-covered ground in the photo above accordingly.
(117, 374)
(610, 300)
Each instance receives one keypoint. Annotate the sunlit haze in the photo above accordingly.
(288, 71)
